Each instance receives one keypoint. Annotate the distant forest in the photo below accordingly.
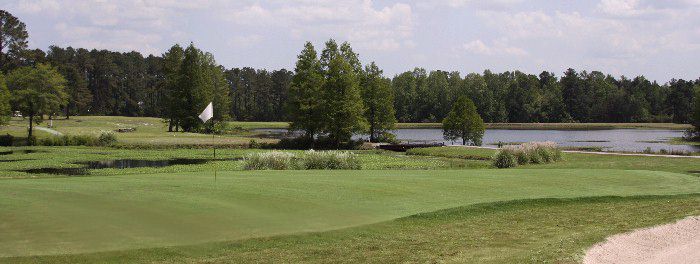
(104, 82)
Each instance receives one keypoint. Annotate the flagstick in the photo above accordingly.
(214, 146)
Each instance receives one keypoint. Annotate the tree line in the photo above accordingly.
(176, 84)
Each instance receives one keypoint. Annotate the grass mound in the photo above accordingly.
(555, 232)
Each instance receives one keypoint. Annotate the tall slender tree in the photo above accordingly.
(342, 102)
(305, 97)
(378, 98)
(172, 95)
(5, 109)
(13, 40)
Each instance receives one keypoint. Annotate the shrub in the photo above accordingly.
(533, 152)
(309, 160)
(272, 160)
(521, 157)
(330, 160)
(505, 159)
(7, 140)
(107, 139)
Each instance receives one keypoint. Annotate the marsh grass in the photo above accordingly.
(527, 153)
(308, 160)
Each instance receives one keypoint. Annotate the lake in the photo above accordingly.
(634, 140)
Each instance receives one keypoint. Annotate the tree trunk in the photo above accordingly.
(464, 141)
(170, 125)
(371, 127)
(31, 126)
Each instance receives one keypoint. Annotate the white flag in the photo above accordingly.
(208, 113)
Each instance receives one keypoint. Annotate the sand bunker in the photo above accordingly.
(674, 243)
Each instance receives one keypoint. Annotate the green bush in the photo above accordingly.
(505, 159)
(330, 160)
(105, 139)
(7, 140)
(522, 157)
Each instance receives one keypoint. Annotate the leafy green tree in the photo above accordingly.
(37, 91)
(378, 98)
(5, 109)
(342, 106)
(173, 96)
(464, 122)
(680, 100)
(13, 40)
(305, 97)
(193, 84)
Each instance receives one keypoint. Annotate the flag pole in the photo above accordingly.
(213, 145)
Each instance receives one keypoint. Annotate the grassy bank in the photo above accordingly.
(151, 132)
(577, 160)
(482, 233)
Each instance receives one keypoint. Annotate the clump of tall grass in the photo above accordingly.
(531, 152)
(330, 160)
(309, 160)
(105, 139)
(272, 160)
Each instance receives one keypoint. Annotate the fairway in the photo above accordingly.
(89, 214)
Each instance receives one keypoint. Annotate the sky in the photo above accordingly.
(657, 39)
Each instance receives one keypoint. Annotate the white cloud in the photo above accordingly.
(499, 48)
(360, 22)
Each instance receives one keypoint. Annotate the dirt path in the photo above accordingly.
(675, 243)
(45, 129)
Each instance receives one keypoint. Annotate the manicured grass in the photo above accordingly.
(581, 161)
(525, 231)
(227, 159)
(87, 214)
(149, 131)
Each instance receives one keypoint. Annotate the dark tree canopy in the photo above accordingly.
(13, 41)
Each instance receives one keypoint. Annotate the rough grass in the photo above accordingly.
(685, 165)
(525, 231)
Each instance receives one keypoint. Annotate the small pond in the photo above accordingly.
(114, 164)
(633, 140)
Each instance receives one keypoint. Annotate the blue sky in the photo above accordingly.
(658, 39)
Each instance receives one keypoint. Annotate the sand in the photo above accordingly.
(675, 243)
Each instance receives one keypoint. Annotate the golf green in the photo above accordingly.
(88, 214)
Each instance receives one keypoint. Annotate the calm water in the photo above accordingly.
(635, 140)
(613, 139)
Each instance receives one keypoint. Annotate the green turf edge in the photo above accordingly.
(324, 245)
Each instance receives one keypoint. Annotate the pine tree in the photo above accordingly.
(342, 103)
(378, 98)
(173, 97)
(5, 110)
(305, 98)
(464, 122)
(79, 96)
(193, 86)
